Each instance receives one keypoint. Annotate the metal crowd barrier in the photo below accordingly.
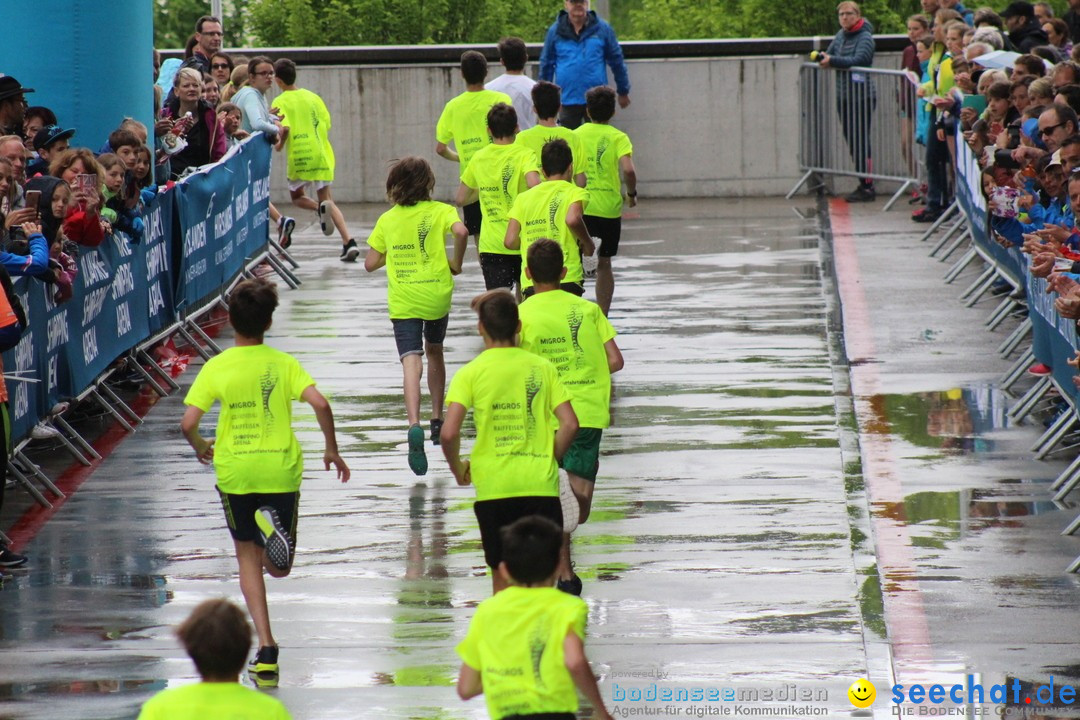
(232, 192)
(1041, 336)
(860, 123)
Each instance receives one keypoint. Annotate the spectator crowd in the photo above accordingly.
(1020, 122)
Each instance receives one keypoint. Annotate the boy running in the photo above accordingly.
(547, 101)
(498, 173)
(524, 425)
(255, 454)
(464, 122)
(217, 638)
(608, 150)
(514, 82)
(578, 340)
(553, 209)
(310, 156)
(410, 240)
(525, 649)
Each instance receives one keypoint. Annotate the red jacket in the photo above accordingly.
(83, 227)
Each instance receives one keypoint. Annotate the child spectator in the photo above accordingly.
(211, 91)
(311, 157)
(608, 152)
(525, 649)
(144, 163)
(514, 82)
(575, 336)
(524, 426)
(498, 173)
(410, 240)
(49, 143)
(464, 122)
(238, 79)
(231, 118)
(217, 638)
(120, 210)
(34, 119)
(554, 209)
(256, 456)
(547, 101)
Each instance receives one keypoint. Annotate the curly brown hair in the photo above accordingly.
(410, 181)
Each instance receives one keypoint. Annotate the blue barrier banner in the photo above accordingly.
(154, 266)
(223, 220)
(198, 236)
(973, 204)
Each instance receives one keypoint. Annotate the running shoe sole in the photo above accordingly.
(324, 218)
(278, 547)
(285, 235)
(571, 508)
(351, 253)
(417, 456)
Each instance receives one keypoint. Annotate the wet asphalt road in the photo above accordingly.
(730, 543)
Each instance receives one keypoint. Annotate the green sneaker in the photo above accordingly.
(417, 456)
(277, 542)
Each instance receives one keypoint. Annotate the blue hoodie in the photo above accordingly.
(579, 62)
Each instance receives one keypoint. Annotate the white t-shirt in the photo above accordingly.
(519, 88)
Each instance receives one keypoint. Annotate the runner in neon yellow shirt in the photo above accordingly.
(553, 209)
(410, 240)
(575, 336)
(257, 458)
(547, 100)
(217, 638)
(464, 122)
(310, 155)
(524, 424)
(497, 174)
(525, 649)
(608, 150)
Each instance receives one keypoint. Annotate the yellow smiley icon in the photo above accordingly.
(862, 693)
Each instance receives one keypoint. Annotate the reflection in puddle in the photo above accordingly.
(954, 421)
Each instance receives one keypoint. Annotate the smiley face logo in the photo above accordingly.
(862, 693)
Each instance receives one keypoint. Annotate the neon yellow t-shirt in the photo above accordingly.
(413, 238)
(308, 146)
(515, 641)
(570, 332)
(498, 172)
(513, 395)
(464, 120)
(541, 212)
(537, 136)
(255, 450)
(604, 145)
(213, 700)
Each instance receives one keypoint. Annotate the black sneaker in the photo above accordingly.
(277, 542)
(286, 225)
(265, 661)
(9, 559)
(436, 429)
(863, 193)
(349, 252)
(571, 586)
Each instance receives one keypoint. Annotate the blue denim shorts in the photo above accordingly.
(410, 334)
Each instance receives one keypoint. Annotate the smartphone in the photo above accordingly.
(33, 197)
(86, 182)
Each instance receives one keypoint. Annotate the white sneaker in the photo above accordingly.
(571, 508)
(326, 223)
(589, 263)
(42, 431)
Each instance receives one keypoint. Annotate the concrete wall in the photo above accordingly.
(701, 127)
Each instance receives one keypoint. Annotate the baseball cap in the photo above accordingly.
(49, 134)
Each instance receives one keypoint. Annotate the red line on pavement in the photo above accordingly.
(905, 612)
